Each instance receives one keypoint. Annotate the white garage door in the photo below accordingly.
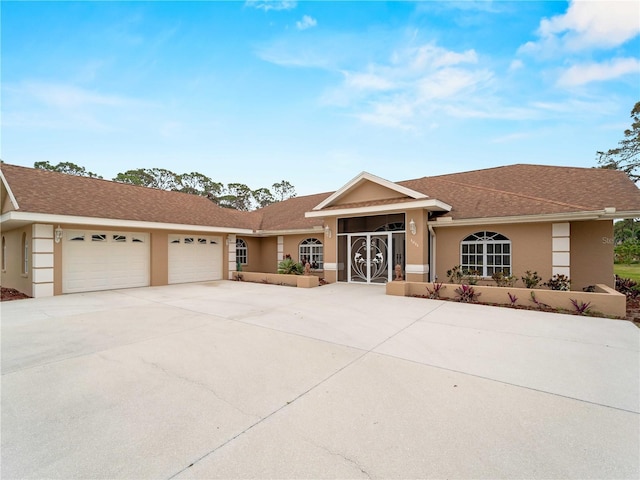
(95, 260)
(194, 258)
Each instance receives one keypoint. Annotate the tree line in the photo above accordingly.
(233, 195)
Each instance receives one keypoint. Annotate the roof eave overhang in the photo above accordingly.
(17, 219)
(606, 214)
(290, 231)
(429, 204)
(12, 197)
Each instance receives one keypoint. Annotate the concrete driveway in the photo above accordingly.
(239, 380)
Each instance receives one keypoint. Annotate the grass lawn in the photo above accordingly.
(628, 271)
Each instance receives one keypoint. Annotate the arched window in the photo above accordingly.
(25, 254)
(310, 250)
(486, 253)
(241, 251)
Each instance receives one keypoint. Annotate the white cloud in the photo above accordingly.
(516, 65)
(367, 81)
(65, 106)
(586, 25)
(68, 96)
(267, 5)
(598, 72)
(415, 83)
(306, 22)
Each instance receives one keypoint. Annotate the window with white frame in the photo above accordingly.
(486, 253)
(310, 250)
(241, 251)
(25, 254)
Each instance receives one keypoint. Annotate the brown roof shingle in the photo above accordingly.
(42, 191)
(520, 189)
(515, 190)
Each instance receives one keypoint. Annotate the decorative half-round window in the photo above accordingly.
(310, 250)
(486, 253)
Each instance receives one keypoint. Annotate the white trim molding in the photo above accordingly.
(430, 204)
(416, 268)
(330, 266)
(552, 217)
(28, 217)
(12, 197)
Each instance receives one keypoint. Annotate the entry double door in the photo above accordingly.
(369, 255)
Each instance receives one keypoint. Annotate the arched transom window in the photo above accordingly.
(241, 251)
(311, 251)
(486, 253)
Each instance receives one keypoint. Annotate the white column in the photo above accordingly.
(231, 239)
(280, 250)
(42, 260)
(561, 249)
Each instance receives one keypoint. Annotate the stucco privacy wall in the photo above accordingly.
(13, 276)
(592, 254)
(531, 247)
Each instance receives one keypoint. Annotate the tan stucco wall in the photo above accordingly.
(269, 254)
(159, 261)
(254, 262)
(417, 246)
(13, 277)
(530, 247)
(7, 206)
(592, 254)
(330, 250)
(366, 192)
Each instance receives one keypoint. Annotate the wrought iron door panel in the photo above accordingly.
(379, 259)
(359, 259)
(369, 258)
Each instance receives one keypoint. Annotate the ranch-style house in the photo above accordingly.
(65, 234)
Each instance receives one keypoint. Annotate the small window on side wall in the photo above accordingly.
(241, 251)
(4, 254)
(25, 254)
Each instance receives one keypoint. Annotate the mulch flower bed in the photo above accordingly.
(12, 294)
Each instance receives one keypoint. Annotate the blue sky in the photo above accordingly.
(316, 92)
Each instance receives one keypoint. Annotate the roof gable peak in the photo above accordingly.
(365, 177)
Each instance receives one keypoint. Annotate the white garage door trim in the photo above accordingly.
(194, 258)
(104, 260)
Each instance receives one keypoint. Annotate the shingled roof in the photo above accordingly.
(46, 192)
(510, 191)
(520, 190)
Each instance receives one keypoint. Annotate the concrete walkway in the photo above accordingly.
(239, 380)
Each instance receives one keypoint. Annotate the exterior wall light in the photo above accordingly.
(327, 230)
(412, 227)
(58, 234)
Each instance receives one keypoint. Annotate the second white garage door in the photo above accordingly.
(194, 258)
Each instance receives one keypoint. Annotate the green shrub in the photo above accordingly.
(289, 267)
(531, 279)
